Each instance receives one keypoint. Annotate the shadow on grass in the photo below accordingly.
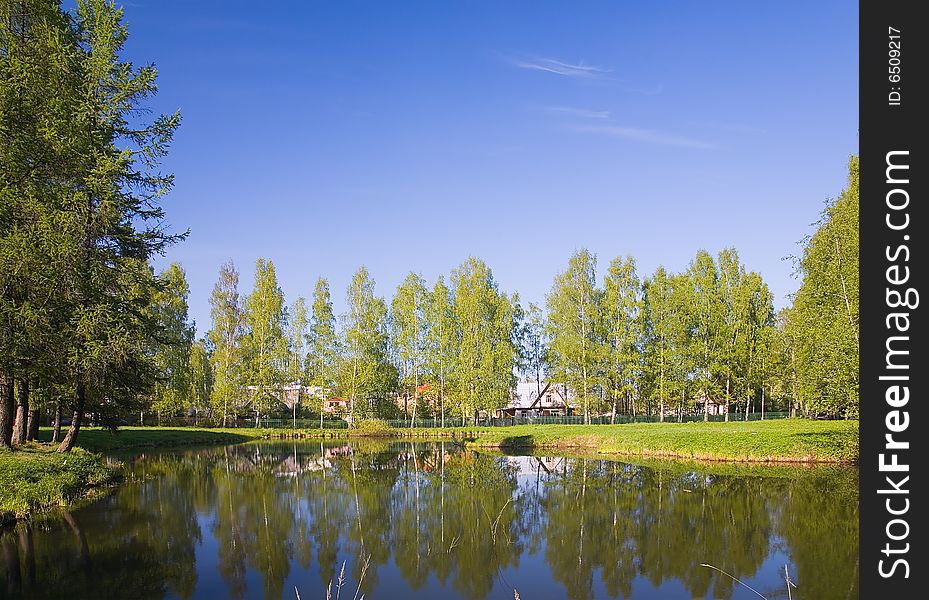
(517, 442)
(102, 440)
(839, 444)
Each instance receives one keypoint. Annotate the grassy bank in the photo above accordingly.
(35, 478)
(127, 438)
(782, 440)
(794, 440)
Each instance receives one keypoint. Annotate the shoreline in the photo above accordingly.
(35, 478)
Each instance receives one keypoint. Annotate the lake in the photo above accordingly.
(433, 520)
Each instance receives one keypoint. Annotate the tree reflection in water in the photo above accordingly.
(435, 520)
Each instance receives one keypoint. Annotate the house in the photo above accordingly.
(404, 401)
(537, 399)
(336, 405)
(713, 407)
(291, 393)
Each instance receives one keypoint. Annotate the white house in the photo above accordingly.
(538, 399)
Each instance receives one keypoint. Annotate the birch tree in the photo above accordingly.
(172, 348)
(265, 344)
(442, 339)
(709, 321)
(824, 319)
(409, 326)
(226, 337)
(366, 373)
(535, 352)
(296, 344)
(657, 306)
(487, 351)
(322, 343)
(574, 325)
(622, 324)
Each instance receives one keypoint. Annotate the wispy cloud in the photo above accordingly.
(550, 65)
(579, 112)
(649, 136)
(730, 127)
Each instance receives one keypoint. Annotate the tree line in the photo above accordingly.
(663, 345)
(88, 328)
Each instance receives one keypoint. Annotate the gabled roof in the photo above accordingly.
(526, 396)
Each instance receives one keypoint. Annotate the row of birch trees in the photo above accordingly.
(663, 345)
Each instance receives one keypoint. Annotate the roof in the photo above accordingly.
(527, 393)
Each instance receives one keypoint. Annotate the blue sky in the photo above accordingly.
(410, 135)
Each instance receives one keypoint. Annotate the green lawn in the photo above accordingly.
(782, 440)
(34, 477)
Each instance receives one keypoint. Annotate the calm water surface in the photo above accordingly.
(268, 520)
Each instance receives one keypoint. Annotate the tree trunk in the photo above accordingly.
(442, 398)
(32, 427)
(56, 425)
(415, 391)
(613, 412)
(586, 412)
(71, 437)
(6, 411)
(762, 403)
(22, 412)
(727, 400)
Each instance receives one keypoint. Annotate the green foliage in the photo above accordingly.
(80, 206)
(201, 376)
(296, 340)
(225, 336)
(366, 373)
(323, 341)
(372, 428)
(408, 329)
(487, 337)
(574, 326)
(172, 349)
(534, 351)
(622, 323)
(441, 340)
(265, 346)
(823, 321)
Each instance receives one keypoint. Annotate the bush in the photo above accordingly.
(372, 428)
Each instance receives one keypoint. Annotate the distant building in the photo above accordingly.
(713, 407)
(533, 399)
(291, 393)
(336, 405)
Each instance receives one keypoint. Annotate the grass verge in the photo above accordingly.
(35, 477)
(783, 440)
